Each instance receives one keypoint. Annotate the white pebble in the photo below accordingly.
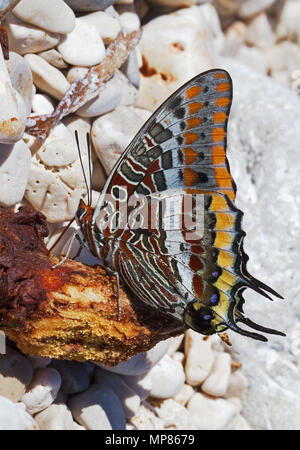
(98, 408)
(128, 397)
(42, 390)
(241, 424)
(15, 163)
(288, 23)
(25, 38)
(83, 46)
(141, 384)
(211, 414)
(184, 395)
(107, 26)
(75, 73)
(199, 357)
(42, 104)
(186, 48)
(146, 419)
(259, 32)
(53, 57)
(140, 363)
(14, 417)
(12, 108)
(237, 385)
(130, 21)
(216, 383)
(55, 417)
(237, 402)
(46, 77)
(235, 36)
(175, 416)
(56, 193)
(112, 132)
(51, 15)
(179, 357)
(175, 344)
(117, 90)
(167, 378)
(249, 8)
(21, 78)
(282, 60)
(252, 57)
(15, 374)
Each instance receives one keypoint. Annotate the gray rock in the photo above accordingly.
(130, 68)
(89, 5)
(15, 374)
(75, 375)
(98, 408)
(14, 417)
(263, 151)
(117, 90)
(21, 78)
(140, 363)
(128, 397)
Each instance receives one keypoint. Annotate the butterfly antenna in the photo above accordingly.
(83, 171)
(88, 141)
(61, 235)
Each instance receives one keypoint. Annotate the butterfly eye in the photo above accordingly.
(199, 318)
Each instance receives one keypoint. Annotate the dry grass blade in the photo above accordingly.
(88, 87)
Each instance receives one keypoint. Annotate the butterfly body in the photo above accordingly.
(166, 222)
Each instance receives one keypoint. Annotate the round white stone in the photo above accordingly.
(211, 414)
(130, 21)
(56, 181)
(189, 41)
(107, 26)
(55, 417)
(21, 78)
(42, 390)
(15, 161)
(51, 15)
(112, 132)
(200, 357)
(141, 384)
(184, 395)
(47, 78)
(117, 90)
(75, 73)
(42, 104)
(14, 417)
(167, 378)
(216, 383)
(83, 46)
(140, 363)
(53, 57)
(25, 38)
(128, 397)
(98, 408)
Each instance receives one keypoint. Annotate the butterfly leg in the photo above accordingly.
(75, 236)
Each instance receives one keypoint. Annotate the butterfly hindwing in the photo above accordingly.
(180, 153)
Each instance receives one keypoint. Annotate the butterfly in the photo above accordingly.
(166, 223)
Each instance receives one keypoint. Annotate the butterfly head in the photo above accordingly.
(203, 319)
(84, 216)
